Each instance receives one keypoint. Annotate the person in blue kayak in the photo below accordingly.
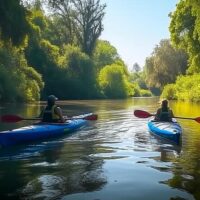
(52, 113)
(164, 113)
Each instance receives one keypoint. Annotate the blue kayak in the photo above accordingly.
(171, 131)
(41, 131)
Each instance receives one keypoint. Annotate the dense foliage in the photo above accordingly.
(113, 81)
(139, 86)
(185, 35)
(13, 21)
(59, 53)
(164, 65)
(186, 88)
(185, 31)
(105, 54)
(18, 81)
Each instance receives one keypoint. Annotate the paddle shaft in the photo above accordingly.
(144, 114)
(31, 118)
(184, 118)
(151, 115)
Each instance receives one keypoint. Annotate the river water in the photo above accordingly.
(113, 158)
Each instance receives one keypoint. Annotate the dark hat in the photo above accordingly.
(52, 98)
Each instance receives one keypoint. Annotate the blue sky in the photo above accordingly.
(135, 27)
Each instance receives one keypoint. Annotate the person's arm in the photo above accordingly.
(171, 113)
(41, 113)
(157, 115)
(58, 111)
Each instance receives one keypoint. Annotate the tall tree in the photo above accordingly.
(105, 54)
(13, 21)
(164, 65)
(185, 31)
(83, 18)
(136, 68)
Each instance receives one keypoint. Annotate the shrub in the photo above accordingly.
(113, 81)
(169, 92)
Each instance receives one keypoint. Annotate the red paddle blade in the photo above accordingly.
(91, 117)
(142, 114)
(197, 119)
(10, 118)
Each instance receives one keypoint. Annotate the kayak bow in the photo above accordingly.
(171, 131)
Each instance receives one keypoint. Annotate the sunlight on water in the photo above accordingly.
(114, 157)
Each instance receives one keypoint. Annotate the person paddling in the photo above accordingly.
(164, 113)
(52, 113)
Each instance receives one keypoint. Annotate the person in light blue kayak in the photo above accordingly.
(52, 113)
(164, 113)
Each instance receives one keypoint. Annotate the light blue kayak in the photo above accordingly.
(171, 131)
(41, 131)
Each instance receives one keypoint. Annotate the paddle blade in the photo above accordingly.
(10, 118)
(91, 117)
(197, 119)
(142, 114)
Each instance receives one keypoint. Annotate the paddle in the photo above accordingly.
(16, 118)
(144, 114)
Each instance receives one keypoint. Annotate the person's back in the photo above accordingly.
(52, 113)
(164, 113)
(48, 114)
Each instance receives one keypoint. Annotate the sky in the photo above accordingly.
(135, 27)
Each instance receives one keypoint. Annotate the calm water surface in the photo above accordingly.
(113, 158)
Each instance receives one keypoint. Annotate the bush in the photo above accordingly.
(135, 90)
(77, 76)
(145, 93)
(186, 88)
(113, 81)
(169, 92)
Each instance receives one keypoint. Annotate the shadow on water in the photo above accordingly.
(114, 157)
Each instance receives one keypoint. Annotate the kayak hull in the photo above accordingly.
(171, 131)
(40, 131)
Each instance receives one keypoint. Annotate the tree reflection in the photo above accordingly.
(76, 171)
(185, 166)
(187, 170)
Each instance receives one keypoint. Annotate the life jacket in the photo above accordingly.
(165, 115)
(49, 114)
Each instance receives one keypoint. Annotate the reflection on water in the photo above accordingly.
(114, 157)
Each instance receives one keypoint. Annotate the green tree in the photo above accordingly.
(40, 53)
(14, 25)
(18, 81)
(113, 81)
(136, 68)
(185, 31)
(186, 88)
(56, 32)
(164, 65)
(139, 78)
(78, 74)
(64, 67)
(83, 19)
(105, 54)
